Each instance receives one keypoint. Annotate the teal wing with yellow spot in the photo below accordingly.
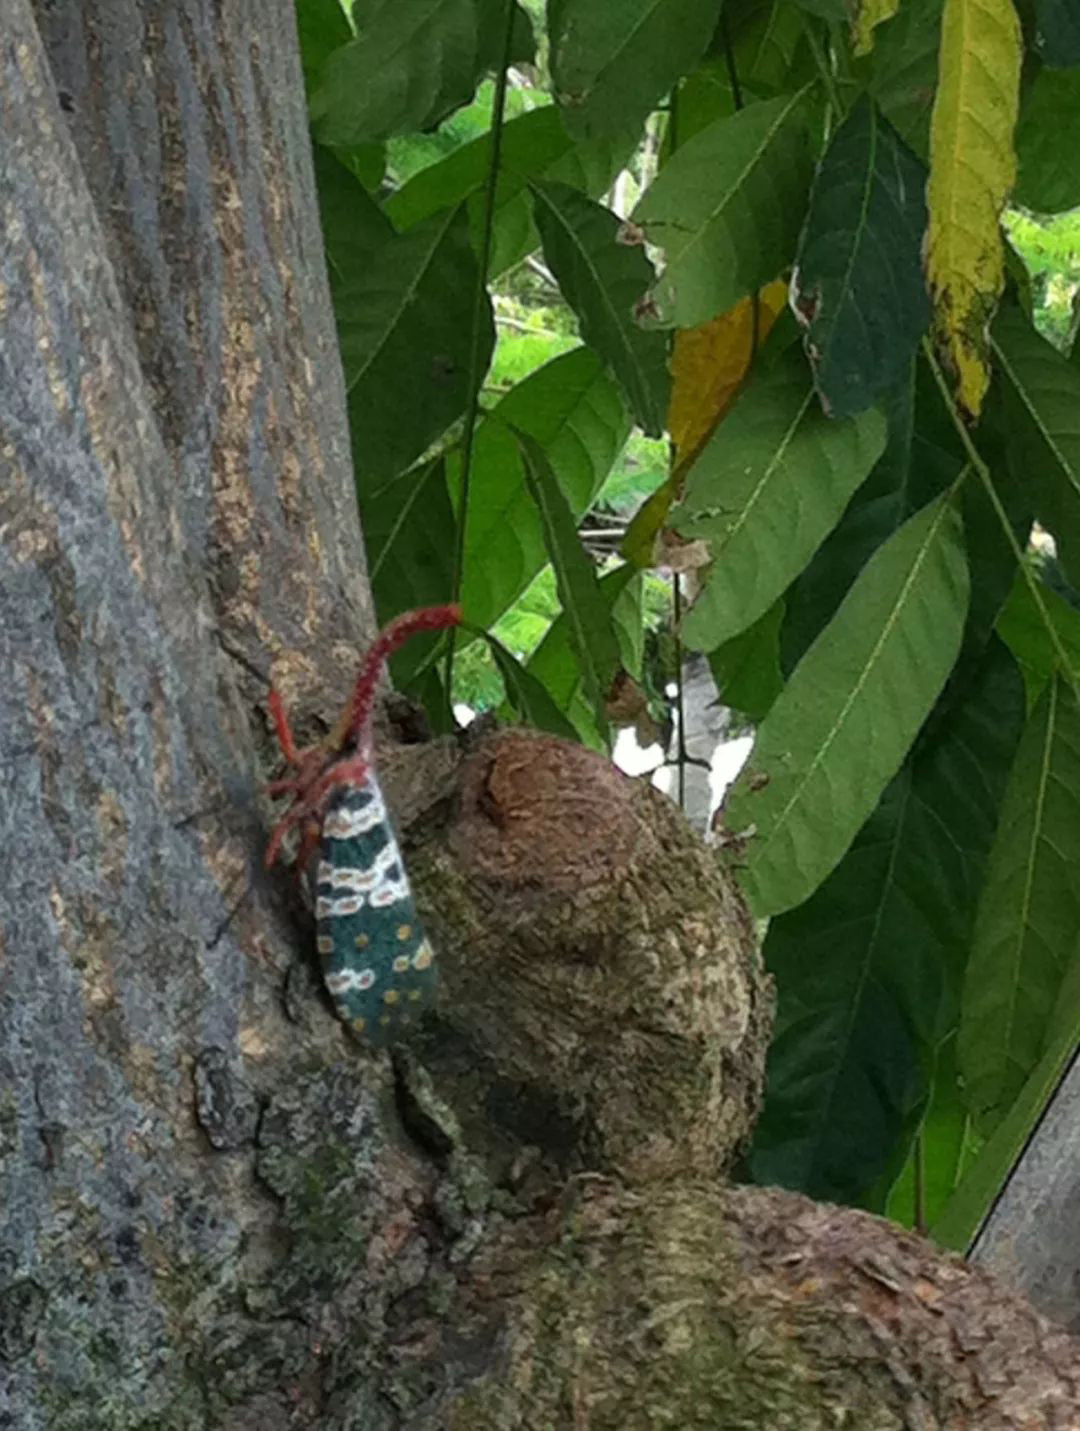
(378, 966)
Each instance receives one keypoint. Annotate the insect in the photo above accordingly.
(378, 966)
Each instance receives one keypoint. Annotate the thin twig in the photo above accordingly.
(821, 60)
(729, 58)
(919, 1186)
(473, 411)
(541, 271)
(505, 321)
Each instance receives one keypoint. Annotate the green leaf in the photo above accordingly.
(982, 1183)
(531, 143)
(882, 503)
(766, 490)
(1029, 917)
(1048, 143)
(556, 665)
(867, 16)
(579, 592)
(858, 285)
(527, 697)
(704, 96)
(844, 722)
(1057, 32)
(490, 29)
(408, 525)
(576, 412)
(727, 210)
(835, 11)
(601, 279)
(534, 146)
(613, 60)
(426, 685)
(1022, 626)
(941, 1153)
(746, 669)
(412, 62)
(868, 970)
(818, 592)
(903, 70)
(1042, 390)
(366, 162)
(353, 224)
(322, 28)
(768, 37)
(404, 306)
(991, 559)
(627, 586)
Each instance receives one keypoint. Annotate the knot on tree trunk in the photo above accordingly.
(603, 997)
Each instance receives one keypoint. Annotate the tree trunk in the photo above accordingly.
(217, 1211)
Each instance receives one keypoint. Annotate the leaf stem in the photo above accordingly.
(976, 460)
(676, 593)
(821, 60)
(729, 60)
(680, 723)
(918, 1153)
(472, 412)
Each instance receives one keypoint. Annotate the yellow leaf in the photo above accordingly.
(870, 14)
(972, 168)
(709, 363)
(707, 369)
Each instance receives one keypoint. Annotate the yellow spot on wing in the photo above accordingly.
(404, 931)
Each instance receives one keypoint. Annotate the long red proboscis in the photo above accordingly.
(390, 639)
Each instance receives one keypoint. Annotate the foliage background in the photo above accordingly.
(668, 324)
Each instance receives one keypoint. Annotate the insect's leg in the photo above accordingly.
(309, 844)
(277, 835)
(282, 727)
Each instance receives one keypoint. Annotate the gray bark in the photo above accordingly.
(1030, 1238)
(177, 524)
(216, 1211)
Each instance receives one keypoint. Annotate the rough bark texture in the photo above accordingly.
(217, 1212)
(176, 520)
(609, 992)
(691, 1306)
